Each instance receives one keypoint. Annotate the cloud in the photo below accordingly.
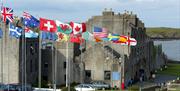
(145, 0)
(82, 10)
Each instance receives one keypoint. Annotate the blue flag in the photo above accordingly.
(29, 20)
(1, 33)
(14, 31)
(48, 36)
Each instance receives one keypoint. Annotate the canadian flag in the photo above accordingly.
(78, 28)
(47, 25)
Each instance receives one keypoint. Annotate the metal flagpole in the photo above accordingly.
(2, 47)
(39, 77)
(8, 60)
(5, 49)
(52, 55)
(69, 72)
(2, 50)
(25, 61)
(81, 63)
(67, 63)
(56, 49)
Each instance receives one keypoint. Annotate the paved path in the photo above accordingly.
(164, 78)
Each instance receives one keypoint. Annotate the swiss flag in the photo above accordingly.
(78, 28)
(47, 25)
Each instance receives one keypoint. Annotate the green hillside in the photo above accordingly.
(163, 32)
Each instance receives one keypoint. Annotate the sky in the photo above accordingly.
(154, 13)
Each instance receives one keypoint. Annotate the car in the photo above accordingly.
(84, 87)
(100, 85)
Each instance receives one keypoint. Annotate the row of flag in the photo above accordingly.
(59, 31)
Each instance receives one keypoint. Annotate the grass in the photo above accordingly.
(172, 69)
(163, 32)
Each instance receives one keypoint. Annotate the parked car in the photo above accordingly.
(100, 84)
(84, 87)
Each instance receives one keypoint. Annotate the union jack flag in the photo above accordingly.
(7, 14)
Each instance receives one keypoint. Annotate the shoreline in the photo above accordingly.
(173, 61)
(164, 39)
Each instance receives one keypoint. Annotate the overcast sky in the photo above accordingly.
(154, 13)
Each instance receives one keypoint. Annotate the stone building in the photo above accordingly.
(9, 57)
(54, 67)
(15, 70)
(133, 62)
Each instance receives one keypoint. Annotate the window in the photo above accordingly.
(65, 78)
(107, 75)
(46, 65)
(115, 67)
(64, 65)
(31, 66)
(45, 78)
(32, 50)
(88, 73)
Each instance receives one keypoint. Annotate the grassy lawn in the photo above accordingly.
(172, 69)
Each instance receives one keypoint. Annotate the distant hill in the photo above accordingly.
(163, 32)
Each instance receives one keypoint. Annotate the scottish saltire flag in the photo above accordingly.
(1, 33)
(14, 31)
(113, 37)
(7, 14)
(30, 34)
(29, 20)
(100, 32)
(48, 36)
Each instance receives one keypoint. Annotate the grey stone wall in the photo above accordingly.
(136, 58)
(9, 59)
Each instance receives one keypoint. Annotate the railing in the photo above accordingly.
(45, 89)
(173, 86)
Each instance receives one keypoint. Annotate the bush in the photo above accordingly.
(133, 88)
(66, 89)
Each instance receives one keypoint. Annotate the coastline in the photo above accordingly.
(164, 39)
(173, 61)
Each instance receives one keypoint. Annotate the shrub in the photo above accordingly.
(133, 88)
(66, 89)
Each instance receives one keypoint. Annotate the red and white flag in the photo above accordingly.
(7, 14)
(47, 25)
(78, 28)
(130, 41)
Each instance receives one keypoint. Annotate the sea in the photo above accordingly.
(171, 48)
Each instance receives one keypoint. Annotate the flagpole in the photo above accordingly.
(8, 60)
(56, 49)
(39, 77)
(2, 50)
(2, 46)
(23, 60)
(52, 54)
(25, 73)
(81, 62)
(67, 63)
